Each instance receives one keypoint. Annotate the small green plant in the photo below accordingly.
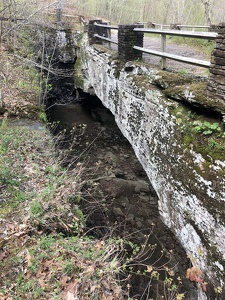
(206, 137)
(182, 71)
(36, 210)
(213, 145)
(21, 84)
(43, 116)
(28, 289)
(4, 124)
(69, 267)
(46, 242)
(33, 267)
(206, 127)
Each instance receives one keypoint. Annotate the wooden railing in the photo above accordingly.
(164, 55)
(174, 26)
(108, 33)
(163, 33)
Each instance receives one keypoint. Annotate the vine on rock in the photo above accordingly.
(196, 275)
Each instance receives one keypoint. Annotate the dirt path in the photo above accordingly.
(182, 50)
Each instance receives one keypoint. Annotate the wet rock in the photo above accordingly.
(144, 199)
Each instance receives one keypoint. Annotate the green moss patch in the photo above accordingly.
(206, 136)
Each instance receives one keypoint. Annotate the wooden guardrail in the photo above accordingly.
(59, 15)
(105, 35)
(173, 26)
(164, 55)
(108, 33)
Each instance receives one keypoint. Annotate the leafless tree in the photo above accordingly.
(207, 10)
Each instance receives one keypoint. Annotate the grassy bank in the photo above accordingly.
(45, 253)
(44, 249)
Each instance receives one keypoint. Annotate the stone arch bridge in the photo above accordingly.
(174, 124)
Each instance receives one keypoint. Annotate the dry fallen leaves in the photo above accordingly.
(99, 245)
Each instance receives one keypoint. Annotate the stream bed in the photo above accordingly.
(119, 199)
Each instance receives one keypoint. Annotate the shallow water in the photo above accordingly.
(32, 124)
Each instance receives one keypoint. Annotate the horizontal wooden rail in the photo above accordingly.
(174, 26)
(80, 18)
(181, 26)
(191, 26)
(106, 26)
(184, 33)
(105, 39)
(192, 61)
(12, 19)
(64, 15)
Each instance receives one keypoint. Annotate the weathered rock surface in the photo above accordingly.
(190, 185)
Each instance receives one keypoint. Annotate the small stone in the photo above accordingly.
(117, 211)
(110, 157)
(130, 218)
(115, 148)
(139, 224)
(144, 198)
(124, 202)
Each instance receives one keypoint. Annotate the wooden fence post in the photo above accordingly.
(58, 15)
(163, 49)
(109, 36)
(1, 32)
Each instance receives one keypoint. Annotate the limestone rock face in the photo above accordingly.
(59, 57)
(190, 185)
(65, 51)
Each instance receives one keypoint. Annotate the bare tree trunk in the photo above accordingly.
(207, 7)
(166, 10)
